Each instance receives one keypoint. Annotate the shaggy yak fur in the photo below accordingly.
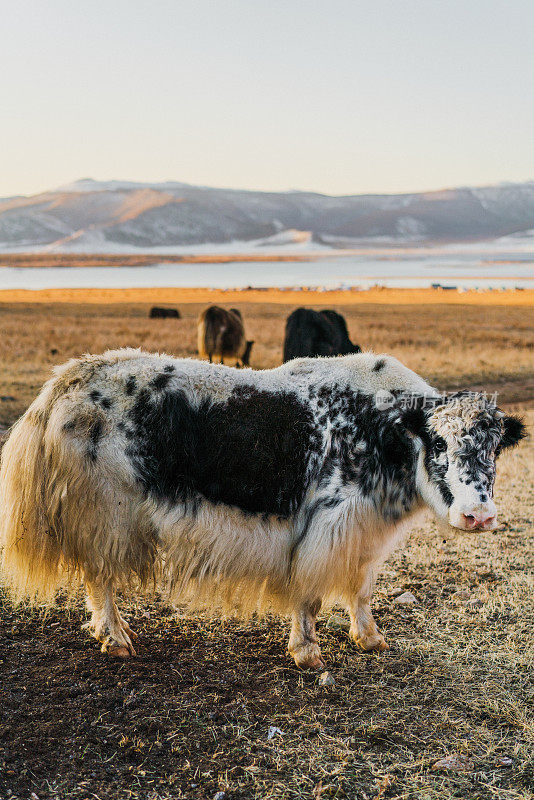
(284, 487)
(222, 333)
(311, 333)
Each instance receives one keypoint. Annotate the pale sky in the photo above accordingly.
(335, 96)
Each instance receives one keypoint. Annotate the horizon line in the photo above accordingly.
(65, 187)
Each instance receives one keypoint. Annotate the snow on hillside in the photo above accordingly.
(90, 185)
(93, 241)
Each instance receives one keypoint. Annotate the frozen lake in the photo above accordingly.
(469, 267)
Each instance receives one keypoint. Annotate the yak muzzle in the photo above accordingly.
(482, 517)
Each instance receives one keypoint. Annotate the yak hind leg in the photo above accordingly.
(302, 640)
(106, 623)
(363, 629)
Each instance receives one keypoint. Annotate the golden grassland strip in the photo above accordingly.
(375, 295)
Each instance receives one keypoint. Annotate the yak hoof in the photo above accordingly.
(115, 649)
(118, 650)
(373, 642)
(381, 645)
(308, 656)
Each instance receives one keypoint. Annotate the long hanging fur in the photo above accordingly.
(59, 517)
(31, 555)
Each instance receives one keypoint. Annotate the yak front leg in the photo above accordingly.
(302, 640)
(106, 623)
(363, 630)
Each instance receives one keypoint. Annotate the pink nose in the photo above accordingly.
(479, 521)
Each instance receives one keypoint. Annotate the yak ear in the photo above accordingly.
(396, 437)
(414, 414)
(513, 431)
(414, 420)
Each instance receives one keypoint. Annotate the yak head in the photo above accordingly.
(462, 435)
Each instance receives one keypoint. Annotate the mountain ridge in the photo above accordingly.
(99, 216)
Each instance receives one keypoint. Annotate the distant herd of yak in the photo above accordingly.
(221, 334)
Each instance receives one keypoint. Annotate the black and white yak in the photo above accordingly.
(281, 488)
(311, 333)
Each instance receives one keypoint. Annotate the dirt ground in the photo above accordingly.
(213, 706)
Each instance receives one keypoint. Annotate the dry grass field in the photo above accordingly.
(481, 344)
(190, 716)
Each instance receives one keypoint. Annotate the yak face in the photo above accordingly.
(462, 435)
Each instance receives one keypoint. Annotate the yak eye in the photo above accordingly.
(440, 446)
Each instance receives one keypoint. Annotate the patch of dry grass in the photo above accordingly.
(452, 346)
(190, 716)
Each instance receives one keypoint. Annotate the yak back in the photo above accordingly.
(311, 333)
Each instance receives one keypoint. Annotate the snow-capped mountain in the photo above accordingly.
(93, 216)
